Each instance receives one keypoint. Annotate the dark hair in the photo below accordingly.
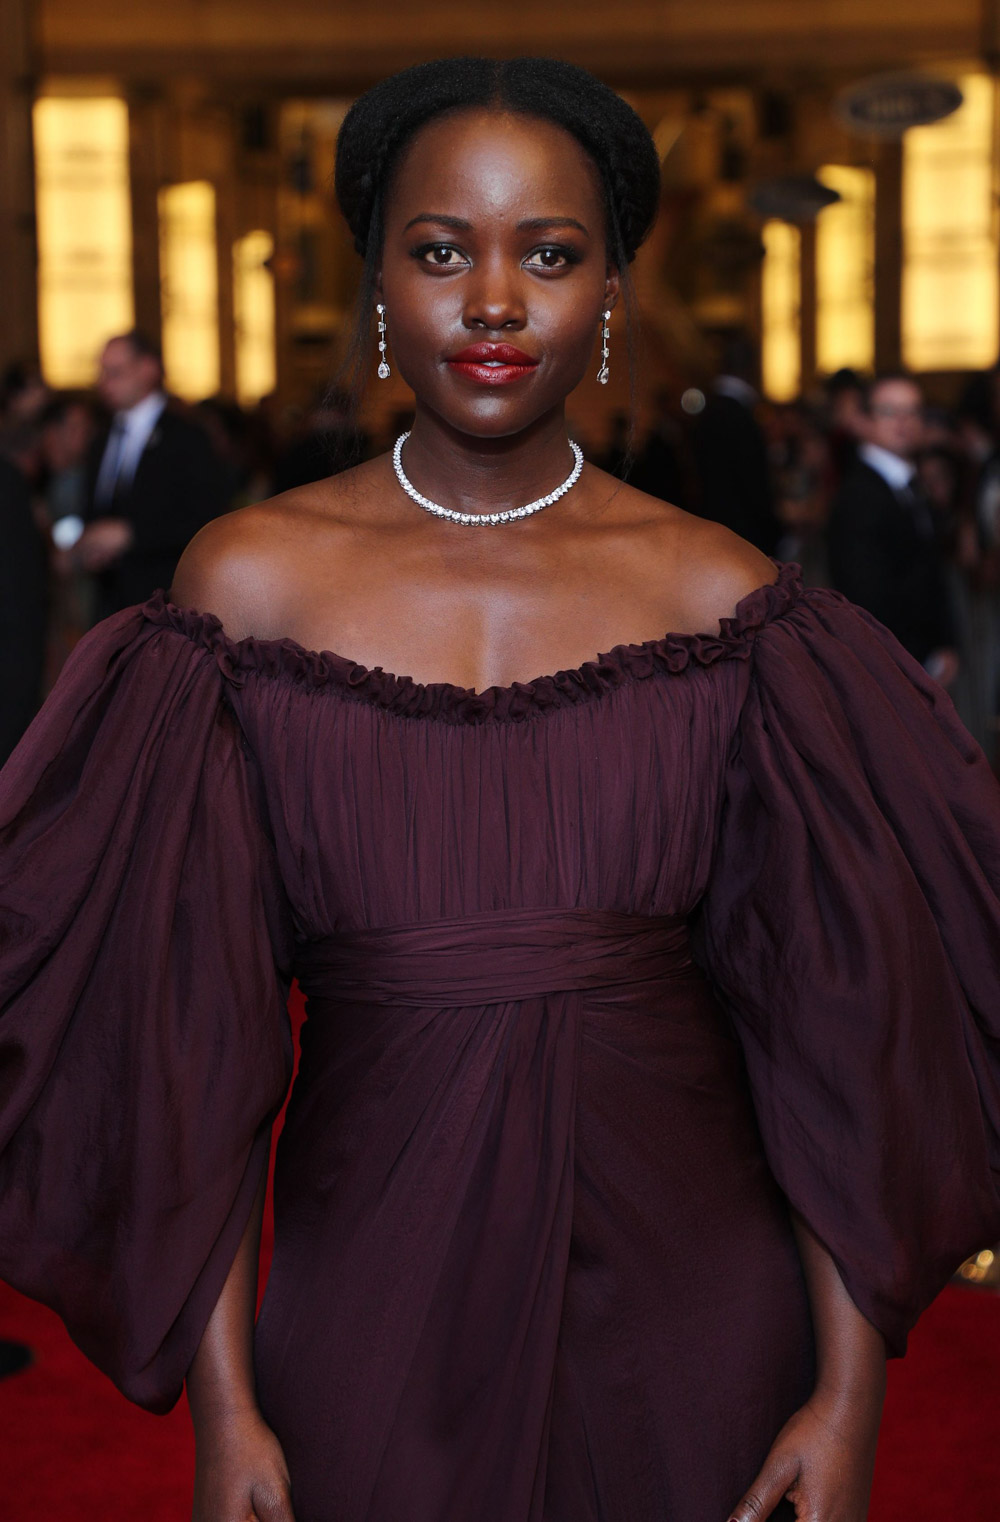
(382, 122)
(844, 379)
(17, 377)
(61, 404)
(886, 378)
(976, 402)
(141, 344)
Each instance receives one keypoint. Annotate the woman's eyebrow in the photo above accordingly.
(530, 224)
(443, 221)
(538, 224)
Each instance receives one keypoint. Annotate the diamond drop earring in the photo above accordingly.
(383, 366)
(602, 374)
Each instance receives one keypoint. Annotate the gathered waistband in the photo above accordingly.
(493, 957)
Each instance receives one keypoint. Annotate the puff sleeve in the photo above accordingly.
(852, 928)
(144, 1045)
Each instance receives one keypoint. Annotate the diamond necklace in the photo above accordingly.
(474, 518)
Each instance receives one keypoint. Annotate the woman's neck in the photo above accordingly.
(484, 475)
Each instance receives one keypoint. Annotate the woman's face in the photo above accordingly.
(494, 270)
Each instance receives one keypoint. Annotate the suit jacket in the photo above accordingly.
(734, 473)
(882, 559)
(23, 608)
(179, 484)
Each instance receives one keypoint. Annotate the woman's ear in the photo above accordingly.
(612, 286)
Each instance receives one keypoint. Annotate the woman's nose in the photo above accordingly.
(494, 300)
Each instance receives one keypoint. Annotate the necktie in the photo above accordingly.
(913, 499)
(107, 481)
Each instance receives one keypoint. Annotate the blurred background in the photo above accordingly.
(830, 175)
(829, 214)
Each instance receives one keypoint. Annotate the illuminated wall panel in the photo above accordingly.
(84, 233)
(189, 289)
(781, 356)
(951, 316)
(845, 272)
(253, 299)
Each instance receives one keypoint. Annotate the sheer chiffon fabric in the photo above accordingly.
(603, 970)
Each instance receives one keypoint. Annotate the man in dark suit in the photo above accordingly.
(155, 480)
(23, 606)
(884, 547)
(730, 453)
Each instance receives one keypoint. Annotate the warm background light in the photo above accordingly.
(951, 318)
(253, 302)
(189, 289)
(84, 233)
(260, 166)
(781, 351)
(845, 271)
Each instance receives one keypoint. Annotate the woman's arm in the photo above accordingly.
(824, 1456)
(240, 1470)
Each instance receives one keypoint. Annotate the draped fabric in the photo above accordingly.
(853, 924)
(494, 957)
(143, 1039)
(602, 970)
(524, 1130)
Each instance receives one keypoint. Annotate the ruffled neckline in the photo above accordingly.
(673, 653)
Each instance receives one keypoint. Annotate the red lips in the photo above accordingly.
(492, 364)
(482, 353)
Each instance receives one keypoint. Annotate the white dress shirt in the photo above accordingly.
(901, 476)
(131, 431)
(894, 470)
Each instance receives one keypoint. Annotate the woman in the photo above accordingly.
(639, 1108)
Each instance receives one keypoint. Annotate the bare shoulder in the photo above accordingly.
(717, 570)
(249, 566)
(704, 568)
(233, 568)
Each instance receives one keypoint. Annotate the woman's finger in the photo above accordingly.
(773, 1483)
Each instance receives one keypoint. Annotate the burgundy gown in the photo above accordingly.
(603, 970)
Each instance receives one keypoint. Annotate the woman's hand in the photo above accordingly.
(824, 1455)
(822, 1460)
(240, 1473)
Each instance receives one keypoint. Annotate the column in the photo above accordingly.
(19, 329)
(808, 305)
(888, 254)
(148, 149)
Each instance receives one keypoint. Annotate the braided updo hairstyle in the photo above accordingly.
(382, 122)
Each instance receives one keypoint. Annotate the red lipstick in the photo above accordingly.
(492, 364)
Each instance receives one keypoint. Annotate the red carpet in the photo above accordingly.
(72, 1450)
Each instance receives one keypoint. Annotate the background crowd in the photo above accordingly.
(892, 501)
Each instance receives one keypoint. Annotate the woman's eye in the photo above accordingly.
(443, 255)
(549, 258)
